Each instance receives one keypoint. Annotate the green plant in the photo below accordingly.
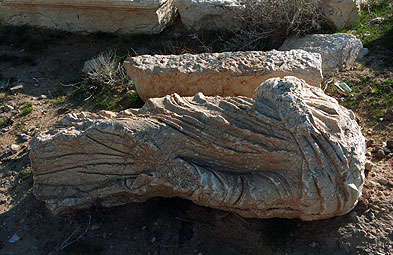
(27, 108)
(106, 85)
(373, 34)
(5, 122)
(25, 173)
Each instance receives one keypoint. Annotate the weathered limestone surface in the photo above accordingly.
(337, 50)
(341, 13)
(291, 151)
(222, 74)
(120, 16)
(208, 14)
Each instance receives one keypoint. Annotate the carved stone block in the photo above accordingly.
(290, 151)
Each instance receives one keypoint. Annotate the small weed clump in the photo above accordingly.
(106, 85)
(25, 173)
(376, 101)
(27, 108)
(264, 24)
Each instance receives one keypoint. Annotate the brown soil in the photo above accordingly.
(43, 60)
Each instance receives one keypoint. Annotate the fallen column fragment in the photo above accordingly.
(219, 74)
(290, 152)
(114, 16)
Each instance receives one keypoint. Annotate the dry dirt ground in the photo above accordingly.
(43, 60)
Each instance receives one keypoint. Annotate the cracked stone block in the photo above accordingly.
(120, 16)
(290, 151)
(337, 50)
(219, 74)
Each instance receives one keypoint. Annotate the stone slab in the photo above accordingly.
(127, 16)
(337, 50)
(219, 74)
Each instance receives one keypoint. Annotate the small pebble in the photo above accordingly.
(386, 150)
(15, 147)
(369, 166)
(16, 88)
(383, 181)
(313, 244)
(8, 108)
(153, 240)
(380, 154)
(368, 154)
(370, 142)
(375, 21)
(43, 97)
(25, 137)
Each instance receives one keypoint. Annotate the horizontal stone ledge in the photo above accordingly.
(125, 17)
(219, 74)
(128, 4)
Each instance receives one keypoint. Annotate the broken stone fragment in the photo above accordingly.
(119, 16)
(337, 50)
(341, 13)
(208, 15)
(290, 151)
(222, 74)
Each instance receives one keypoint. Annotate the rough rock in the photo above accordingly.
(221, 74)
(290, 151)
(341, 13)
(337, 50)
(207, 14)
(131, 16)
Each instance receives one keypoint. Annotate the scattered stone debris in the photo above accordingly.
(376, 21)
(8, 108)
(380, 154)
(16, 88)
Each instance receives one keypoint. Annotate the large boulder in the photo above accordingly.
(208, 14)
(341, 13)
(290, 151)
(222, 74)
(130, 16)
(337, 50)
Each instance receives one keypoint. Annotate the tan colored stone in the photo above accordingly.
(222, 74)
(121, 16)
(337, 50)
(208, 14)
(341, 13)
(290, 152)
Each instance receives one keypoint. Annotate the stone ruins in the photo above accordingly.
(290, 151)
